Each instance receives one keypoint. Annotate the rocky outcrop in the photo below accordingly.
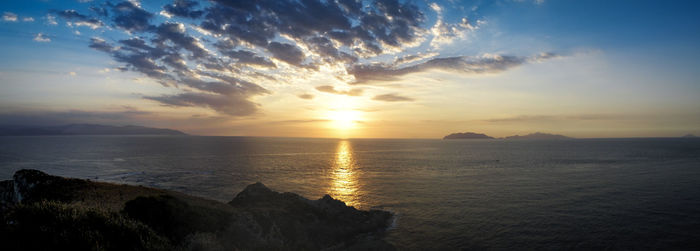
(294, 221)
(99, 215)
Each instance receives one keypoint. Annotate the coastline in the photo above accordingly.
(42, 211)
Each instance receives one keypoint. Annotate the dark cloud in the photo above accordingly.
(183, 8)
(175, 33)
(236, 105)
(474, 65)
(287, 53)
(100, 45)
(78, 19)
(331, 89)
(219, 52)
(391, 98)
(130, 17)
(250, 58)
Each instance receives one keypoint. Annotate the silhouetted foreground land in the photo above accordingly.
(44, 212)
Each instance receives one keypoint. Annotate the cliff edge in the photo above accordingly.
(42, 212)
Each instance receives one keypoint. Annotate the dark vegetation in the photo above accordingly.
(43, 212)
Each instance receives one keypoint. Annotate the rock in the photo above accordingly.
(300, 223)
(34, 185)
(105, 214)
(7, 194)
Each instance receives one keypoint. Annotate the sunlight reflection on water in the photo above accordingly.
(344, 182)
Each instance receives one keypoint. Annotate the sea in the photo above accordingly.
(574, 194)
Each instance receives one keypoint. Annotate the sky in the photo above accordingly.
(355, 69)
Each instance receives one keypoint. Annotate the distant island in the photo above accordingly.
(473, 135)
(84, 129)
(689, 136)
(467, 135)
(538, 135)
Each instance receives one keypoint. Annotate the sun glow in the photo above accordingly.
(344, 119)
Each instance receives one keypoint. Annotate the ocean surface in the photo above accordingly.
(447, 194)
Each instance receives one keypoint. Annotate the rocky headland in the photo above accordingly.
(44, 212)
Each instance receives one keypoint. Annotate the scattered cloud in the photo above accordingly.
(40, 37)
(300, 121)
(220, 54)
(536, 118)
(331, 89)
(77, 19)
(236, 105)
(51, 19)
(305, 96)
(391, 98)
(487, 63)
(27, 19)
(182, 8)
(9, 17)
(446, 33)
(73, 74)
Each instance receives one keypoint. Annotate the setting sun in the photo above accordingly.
(344, 119)
(349, 124)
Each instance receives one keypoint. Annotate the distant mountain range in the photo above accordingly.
(472, 135)
(84, 129)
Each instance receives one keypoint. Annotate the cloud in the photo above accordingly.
(27, 19)
(100, 45)
(305, 96)
(331, 89)
(391, 98)
(40, 37)
(183, 8)
(300, 121)
(445, 33)
(220, 54)
(536, 118)
(9, 17)
(245, 57)
(131, 17)
(286, 52)
(486, 63)
(51, 19)
(230, 105)
(78, 19)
